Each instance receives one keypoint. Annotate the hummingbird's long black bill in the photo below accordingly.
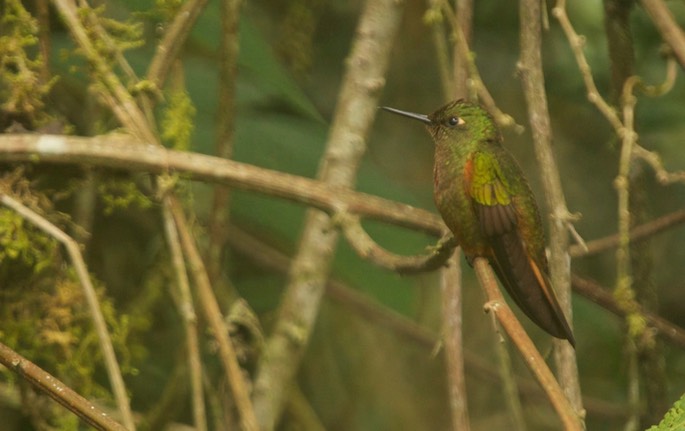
(421, 117)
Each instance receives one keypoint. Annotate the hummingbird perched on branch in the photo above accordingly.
(485, 200)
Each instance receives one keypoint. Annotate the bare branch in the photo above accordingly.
(533, 80)
(173, 40)
(602, 297)
(496, 304)
(57, 390)
(667, 26)
(654, 160)
(577, 43)
(637, 233)
(234, 375)
(124, 152)
(355, 109)
(469, 59)
(450, 287)
(187, 311)
(368, 249)
(228, 74)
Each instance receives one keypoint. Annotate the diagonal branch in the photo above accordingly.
(600, 296)
(57, 390)
(208, 301)
(169, 47)
(355, 109)
(186, 309)
(569, 418)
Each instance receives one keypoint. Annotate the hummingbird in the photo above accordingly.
(485, 200)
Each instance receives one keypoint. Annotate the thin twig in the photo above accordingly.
(234, 374)
(623, 288)
(602, 297)
(450, 287)
(637, 233)
(577, 43)
(533, 81)
(93, 24)
(464, 15)
(442, 52)
(654, 160)
(369, 250)
(111, 364)
(510, 391)
(173, 40)
(534, 361)
(468, 58)
(228, 73)
(57, 390)
(187, 312)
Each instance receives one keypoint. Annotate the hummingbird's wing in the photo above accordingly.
(518, 267)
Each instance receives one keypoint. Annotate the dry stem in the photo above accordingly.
(450, 287)
(534, 361)
(57, 390)
(234, 374)
(187, 312)
(532, 78)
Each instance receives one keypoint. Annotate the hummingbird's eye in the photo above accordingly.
(454, 121)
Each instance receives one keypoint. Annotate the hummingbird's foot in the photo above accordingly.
(445, 244)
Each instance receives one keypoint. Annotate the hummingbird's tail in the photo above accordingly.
(529, 285)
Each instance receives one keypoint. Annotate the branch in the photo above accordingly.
(450, 287)
(368, 249)
(600, 296)
(186, 309)
(57, 390)
(124, 152)
(228, 74)
(463, 51)
(577, 43)
(173, 40)
(357, 103)
(234, 375)
(667, 26)
(111, 364)
(533, 80)
(654, 160)
(637, 234)
(529, 353)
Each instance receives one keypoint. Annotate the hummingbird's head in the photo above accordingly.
(457, 121)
